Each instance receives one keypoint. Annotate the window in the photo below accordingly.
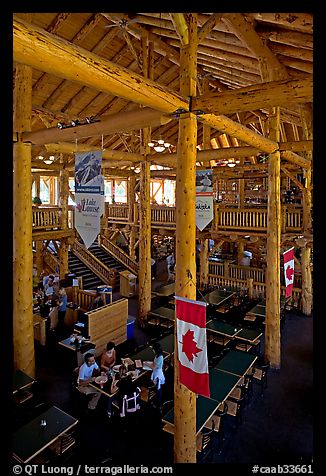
(71, 190)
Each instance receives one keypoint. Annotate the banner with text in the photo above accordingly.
(204, 198)
(89, 195)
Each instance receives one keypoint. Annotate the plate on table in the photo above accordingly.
(116, 368)
(101, 379)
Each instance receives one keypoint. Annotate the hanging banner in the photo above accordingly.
(288, 258)
(192, 347)
(89, 195)
(204, 198)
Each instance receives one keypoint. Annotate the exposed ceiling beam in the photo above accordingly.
(181, 27)
(41, 50)
(120, 122)
(270, 94)
(35, 47)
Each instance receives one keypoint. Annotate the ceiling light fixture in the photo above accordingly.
(159, 145)
(49, 160)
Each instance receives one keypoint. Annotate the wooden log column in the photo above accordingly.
(23, 330)
(306, 115)
(144, 301)
(184, 399)
(272, 322)
(132, 216)
(203, 262)
(39, 257)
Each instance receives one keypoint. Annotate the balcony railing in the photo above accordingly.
(46, 218)
(226, 218)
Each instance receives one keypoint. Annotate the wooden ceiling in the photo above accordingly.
(235, 51)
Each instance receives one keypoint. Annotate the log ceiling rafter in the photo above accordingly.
(181, 101)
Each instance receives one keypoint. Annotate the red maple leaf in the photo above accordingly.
(79, 207)
(189, 345)
(289, 273)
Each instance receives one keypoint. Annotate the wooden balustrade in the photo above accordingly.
(116, 212)
(216, 268)
(107, 275)
(85, 298)
(120, 255)
(47, 217)
(245, 272)
(163, 214)
(226, 217)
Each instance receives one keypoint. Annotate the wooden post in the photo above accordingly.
(64, 194)
(240, 251)
(144, 302)
(241, 184)
(306, 114)
(250, 286)
(38, 185)
(63, 257)
(184, 399)
(203, 262)
(306, 280)
(39, 257)
(132, 215)
(272, 322)
(23, 328)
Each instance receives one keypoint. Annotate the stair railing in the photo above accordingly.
(50, 260)
(107, 275)
(119, 254)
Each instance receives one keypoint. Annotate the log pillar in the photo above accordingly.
(132, 216)
(145, 283)
(272, 322)
(23, 329)
(39, 257)
(306, 114)
(38, 185)
(203, 262)
(240, 251)
(250, 286)
(184, 399)
(63, 257)
(64, 194)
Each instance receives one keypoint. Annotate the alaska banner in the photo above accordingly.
(89, 195)
(204, 198)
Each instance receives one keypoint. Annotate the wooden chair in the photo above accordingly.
(259, 376)
(216, 422)
(204, 444)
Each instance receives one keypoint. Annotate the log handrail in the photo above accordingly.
(119, 254)
(46, 217)
(106, 274)
(51, 260)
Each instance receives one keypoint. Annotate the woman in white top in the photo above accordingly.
(157, 375)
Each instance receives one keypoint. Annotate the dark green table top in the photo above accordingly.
(222, 328)
(221, 384)
(164, 312)
(21, 381)
(205, 408)
(217, 297)
(167, 290)
(167, 343)
(75, 346)
(258, 310)
(249, 335)
(32, 438)
(236, 362)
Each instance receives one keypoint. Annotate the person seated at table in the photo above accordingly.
(108, 357)
(87, 373)
(124, 384)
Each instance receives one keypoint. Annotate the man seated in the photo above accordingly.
(87, 373)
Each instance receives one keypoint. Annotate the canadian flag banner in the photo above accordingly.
(288, 258)
(192, 349)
